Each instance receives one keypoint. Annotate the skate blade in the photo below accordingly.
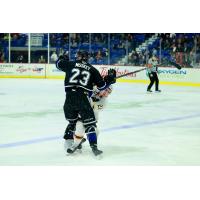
(70, 154)
(98, 157)
(79, 151)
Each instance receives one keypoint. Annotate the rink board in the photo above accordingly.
(169, 76)
(22, 70)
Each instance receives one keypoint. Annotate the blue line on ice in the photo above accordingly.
(44, 139)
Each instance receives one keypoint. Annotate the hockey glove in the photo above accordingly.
(175, 65)
(64, 57)
(111, 77)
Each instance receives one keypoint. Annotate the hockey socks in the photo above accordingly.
(92, 138)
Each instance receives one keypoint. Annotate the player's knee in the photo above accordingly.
(80, 129)
(78, 137)
(90, 128)
(69, 131)
(71, 126)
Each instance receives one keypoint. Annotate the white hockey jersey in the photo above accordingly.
(98, 103)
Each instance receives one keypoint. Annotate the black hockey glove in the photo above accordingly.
(175, 65)
(64, 57)
(111, 77)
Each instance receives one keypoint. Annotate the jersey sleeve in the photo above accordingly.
(62, 64)
(98, 80)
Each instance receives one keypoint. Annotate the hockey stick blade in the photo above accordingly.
(75, 148)
(175, 64)
(167, 61)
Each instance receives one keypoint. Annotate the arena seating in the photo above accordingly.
(120, 44)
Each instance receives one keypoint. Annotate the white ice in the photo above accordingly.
(136, 128)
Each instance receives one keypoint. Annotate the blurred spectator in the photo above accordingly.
(105, 52)
(61, 51)
(91, 58)
(121, 45)
(129, 37)
(179, 54)
(1, 57)
(141, 59)
(134, 58)
(154, 52)
(167, 44)
(172, 35)
(6, 36)
(2, 36)
(130, 59)
(98, 56)
(14, 36)
(20, 59)
(52, 39)
(41, 59)
(54, 57)
(186, 56)
(65, 39)
(185, 48)
(197, 55)
(74, 44)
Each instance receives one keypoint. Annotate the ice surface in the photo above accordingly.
(136, 128)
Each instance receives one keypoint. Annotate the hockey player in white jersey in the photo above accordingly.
(98, 102)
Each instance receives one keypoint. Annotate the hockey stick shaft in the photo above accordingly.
(134, 72)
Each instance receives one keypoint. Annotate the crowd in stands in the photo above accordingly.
(138, 58)
(100, 45)
(104, 48)
(3, 43)
(184, 48)
(1, 56)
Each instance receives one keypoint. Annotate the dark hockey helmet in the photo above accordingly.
(82, 55)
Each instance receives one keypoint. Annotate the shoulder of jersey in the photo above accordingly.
(91, 67)
(86, 63)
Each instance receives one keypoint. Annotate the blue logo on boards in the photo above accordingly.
(172, 71)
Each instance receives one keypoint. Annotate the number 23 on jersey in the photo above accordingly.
(83, 79)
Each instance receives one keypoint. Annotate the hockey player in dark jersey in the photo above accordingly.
(79, 81)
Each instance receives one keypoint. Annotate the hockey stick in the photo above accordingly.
(131, 73)
(166, 61)
(175, 64)
(72, 150)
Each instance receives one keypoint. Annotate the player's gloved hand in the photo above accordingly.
(65, 56)
(175, 65)
(111, 77)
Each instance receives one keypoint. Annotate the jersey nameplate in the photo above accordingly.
(80, 65)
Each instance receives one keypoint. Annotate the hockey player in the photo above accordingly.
(99, 101)
(152, 73)
(79, 81)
